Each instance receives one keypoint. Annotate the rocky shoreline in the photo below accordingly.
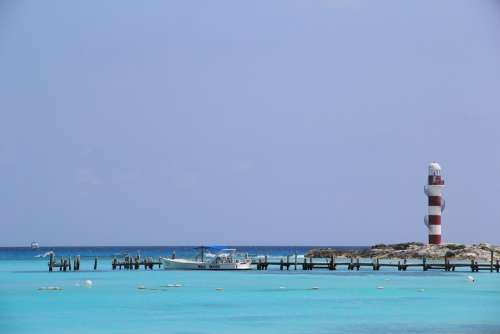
(414, 250)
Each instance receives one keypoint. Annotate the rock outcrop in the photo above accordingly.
(414, 250)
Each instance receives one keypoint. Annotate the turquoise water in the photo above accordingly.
(251, 302)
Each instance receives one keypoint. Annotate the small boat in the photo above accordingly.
(225, 259)
(35, 245)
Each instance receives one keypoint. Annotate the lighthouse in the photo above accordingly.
(433, 190)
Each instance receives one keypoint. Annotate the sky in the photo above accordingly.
(247, 122)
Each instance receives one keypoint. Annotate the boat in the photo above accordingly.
(224, 259)
(35, 245)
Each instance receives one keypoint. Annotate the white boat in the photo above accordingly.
(35, 245)
(225, 259)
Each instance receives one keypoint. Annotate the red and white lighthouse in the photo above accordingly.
(433, 190)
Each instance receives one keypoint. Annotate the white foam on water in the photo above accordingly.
(50, 288)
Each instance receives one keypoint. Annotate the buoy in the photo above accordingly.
(88, 283)
(141, 287)
(471, 279)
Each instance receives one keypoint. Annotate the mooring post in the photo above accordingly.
(51, 261)
(288, 262)
(310, 263)
(69, 263)
(491, 261)
(424, 263)
(304, 265)
(281, 263)
(95, 263)
(295, 261)
(472, 265)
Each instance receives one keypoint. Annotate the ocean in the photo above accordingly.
(318, 301)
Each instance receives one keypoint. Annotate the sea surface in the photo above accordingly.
(318, 301)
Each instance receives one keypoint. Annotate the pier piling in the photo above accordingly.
(491, 260)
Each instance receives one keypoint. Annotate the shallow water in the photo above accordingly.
(250, 302)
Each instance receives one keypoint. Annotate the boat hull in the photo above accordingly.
(180, 264)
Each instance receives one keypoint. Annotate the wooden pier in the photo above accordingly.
(134, 263)
(64, 264)
(127, 262)
(285, 263)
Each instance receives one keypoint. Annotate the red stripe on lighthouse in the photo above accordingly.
(434, 239)
(434, 220)
(434, 200)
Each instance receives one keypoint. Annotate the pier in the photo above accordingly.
(134, 263)
(285, 263)
(290, 262)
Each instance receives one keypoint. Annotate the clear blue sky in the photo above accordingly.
(247, 122)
